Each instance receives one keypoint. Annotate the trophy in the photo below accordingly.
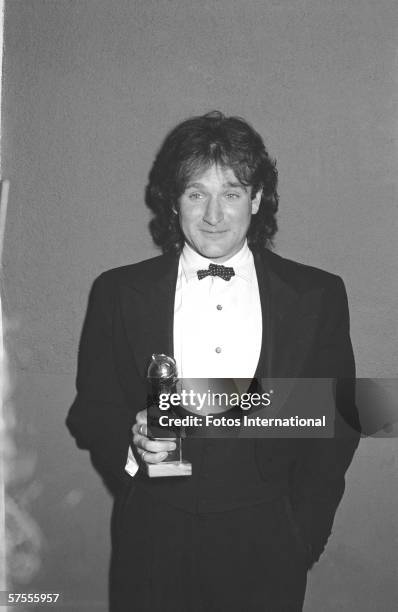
(162, 379)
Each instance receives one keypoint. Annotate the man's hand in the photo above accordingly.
(150, 451)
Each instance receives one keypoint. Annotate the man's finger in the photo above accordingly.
(142, 429)
(155, 446)
(153, 457)
(141, 417)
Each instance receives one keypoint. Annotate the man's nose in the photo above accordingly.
(213, 213)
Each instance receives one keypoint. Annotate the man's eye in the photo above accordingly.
(195, 195)
(232, 196)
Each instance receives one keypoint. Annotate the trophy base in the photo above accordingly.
(169, 468)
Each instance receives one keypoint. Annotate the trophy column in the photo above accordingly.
(162, 379)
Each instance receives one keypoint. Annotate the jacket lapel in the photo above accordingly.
(147, 310)
(290, 320)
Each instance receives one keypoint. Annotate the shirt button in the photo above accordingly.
(219, 307)
(218, 349)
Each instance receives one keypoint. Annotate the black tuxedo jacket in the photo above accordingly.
(305, 334)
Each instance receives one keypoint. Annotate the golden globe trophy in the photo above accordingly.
(162, 379)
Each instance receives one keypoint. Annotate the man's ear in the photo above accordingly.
(256, 201)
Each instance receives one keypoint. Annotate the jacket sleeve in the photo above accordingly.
(99, 418)
(319, 478)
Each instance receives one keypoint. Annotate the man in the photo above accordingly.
(242, 531)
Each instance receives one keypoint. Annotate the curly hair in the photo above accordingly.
(195, 145)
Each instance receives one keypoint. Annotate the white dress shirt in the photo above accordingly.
(217, 327)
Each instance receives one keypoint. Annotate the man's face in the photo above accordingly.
(215, 212)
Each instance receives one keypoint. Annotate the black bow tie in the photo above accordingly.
(215, 270)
